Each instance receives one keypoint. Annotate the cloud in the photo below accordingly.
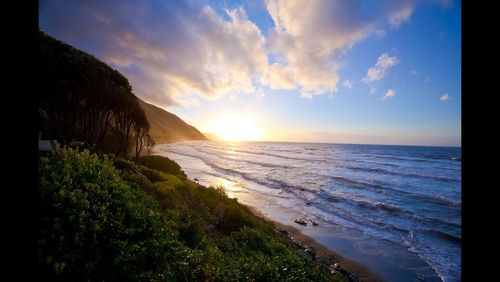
(445, 97)
(401, 16)
(389, 94)
(260, 93)
(175, 52)
(277, 76)
(309, 38)
(347, 83)
(169, 50)
(378, 71)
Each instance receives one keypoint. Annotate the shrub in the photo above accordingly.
(233, 219)
(94, 226)
(122, 164)
(192, 233)
(153, 175)
(162, 164)
(101, 223)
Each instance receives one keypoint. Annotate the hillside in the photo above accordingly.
(166, 127)
(109, 219)
(211, 136)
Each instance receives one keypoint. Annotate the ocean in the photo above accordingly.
(395, 209)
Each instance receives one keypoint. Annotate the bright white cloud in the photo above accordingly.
(389, 94)
(378, 71)
(310, 37)
(278, 76)
(347, 83)
(445, 97)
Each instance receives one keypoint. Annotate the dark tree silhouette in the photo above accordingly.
(82, 98)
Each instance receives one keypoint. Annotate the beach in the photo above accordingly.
(324, 255)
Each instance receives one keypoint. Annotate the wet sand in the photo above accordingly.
(324, 255)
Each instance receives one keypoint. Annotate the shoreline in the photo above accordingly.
(351, 270)
(369, 258)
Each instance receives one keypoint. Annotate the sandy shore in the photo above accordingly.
(322, 254)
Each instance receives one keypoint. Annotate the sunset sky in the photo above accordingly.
(375, 72)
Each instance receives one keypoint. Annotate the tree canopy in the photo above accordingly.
(82, 98)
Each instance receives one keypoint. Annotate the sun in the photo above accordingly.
(236, 129)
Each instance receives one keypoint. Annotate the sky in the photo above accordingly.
(332, 71)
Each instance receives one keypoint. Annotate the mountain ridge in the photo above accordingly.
(166, 127)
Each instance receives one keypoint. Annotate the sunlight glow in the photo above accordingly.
(236, 129)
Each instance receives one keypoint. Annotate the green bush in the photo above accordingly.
(233, 219)
(106, 219)
(162, 164)
(153, 175)
(122, 164)
(94, 226)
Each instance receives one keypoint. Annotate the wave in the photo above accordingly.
(276, 184)
(428, 198)
(277, 156)
(390, 210)
(437, 199)
(404, 174)
(268, 182)
(445, 235)
(440, 260)
(387, 207)
(285, 185)
(273, 183)
(276, 194)
(365, 203)
(419, 160)
(369, 226)
(435, 221)
(232, 159)
(386, 228)
(372, 162)
(279, 188)
(439, 157)
(354, 183)
(399, 158)
(224, 151)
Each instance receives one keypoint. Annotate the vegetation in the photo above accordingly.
(162, 164)
(108, 219)
(81, 98)
(166, 127)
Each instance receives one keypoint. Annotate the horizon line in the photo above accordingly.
(321, 142)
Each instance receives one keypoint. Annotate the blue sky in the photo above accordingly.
(377, 72)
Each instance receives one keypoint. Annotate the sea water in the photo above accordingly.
(395, 209)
